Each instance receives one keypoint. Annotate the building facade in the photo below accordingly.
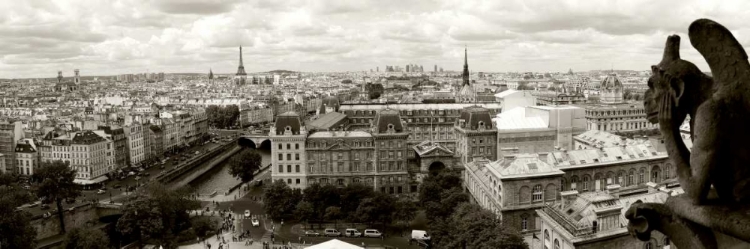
(475, 135)
(10, 133)
(288, 160)
(134, 134)
(27, 157)
(84, 151)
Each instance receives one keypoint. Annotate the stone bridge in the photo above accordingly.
(255, 141)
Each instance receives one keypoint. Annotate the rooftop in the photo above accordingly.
(521, 166)
(328, 134)
(327, 121)
(516, 119)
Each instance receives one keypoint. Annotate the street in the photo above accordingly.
(118, 194)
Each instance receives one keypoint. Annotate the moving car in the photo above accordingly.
(311, 233)
(351, 232)
(372, 233)
(330, 232)
(256, 223)
(247, 213)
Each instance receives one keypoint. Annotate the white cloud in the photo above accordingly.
(126, 36)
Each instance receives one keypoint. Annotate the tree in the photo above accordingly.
(333, 213)
(475, 227)
(280, 200)
(140, 219)
(379, 208)
(57, 185)
(304, 211)
(244, 165)
(15, 226)
(321, 197)
(374, 90)
(203, 226)
(351, 196)
(86, 238)
(404, 212)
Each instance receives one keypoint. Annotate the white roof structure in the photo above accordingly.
(516, 119)
(334, 244)
(506, 93)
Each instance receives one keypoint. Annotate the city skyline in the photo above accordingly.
(132, 36)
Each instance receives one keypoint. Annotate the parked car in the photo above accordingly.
(247, 213)
(372, 233)
(311, 233)
(256, 223)
(330, 232)
(101, 191)
(419, 235)
(351, 232)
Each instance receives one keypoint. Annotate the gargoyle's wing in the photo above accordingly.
(724, 55)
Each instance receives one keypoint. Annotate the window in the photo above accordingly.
(281, 146)
(648, 245)
(340, 182)
(557, 244)
(296, 146)
(288, 157)
(524, 223)
(546, 234)
(281, 168)
(288, 146)
(289, 181)
(586, 180)
(297, 179)
(631, 178)
(537, 193)
(296, 156)
(640, 176)
(666, 241)
(281, 157)
(289, 168)
(296, 168)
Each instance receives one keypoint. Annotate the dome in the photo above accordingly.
(611, 82)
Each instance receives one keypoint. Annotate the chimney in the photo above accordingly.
(614, 190)
(568, 197)
(651, 187)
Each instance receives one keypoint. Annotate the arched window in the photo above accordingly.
(586, 180)
(546, 234)
(631, 177)
(524, 223)
(574, 183)
(536, 193)
(667, 171)
(641, 175)
(557, 244)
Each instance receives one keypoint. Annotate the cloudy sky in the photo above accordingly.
(103, 37)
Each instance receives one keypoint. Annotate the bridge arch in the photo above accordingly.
(255, 143)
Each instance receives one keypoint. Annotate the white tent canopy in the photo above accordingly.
(334, 244)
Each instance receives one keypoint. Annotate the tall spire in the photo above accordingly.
(466, 67)
(241, 68)
(210, 74)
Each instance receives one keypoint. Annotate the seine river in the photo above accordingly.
(218, 179)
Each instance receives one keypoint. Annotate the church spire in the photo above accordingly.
(466, 67)
(210, 74)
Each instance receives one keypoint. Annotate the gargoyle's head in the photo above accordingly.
(675, 79)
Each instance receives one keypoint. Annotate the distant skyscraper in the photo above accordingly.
(436, 68)
(377, 69)
(407, 68)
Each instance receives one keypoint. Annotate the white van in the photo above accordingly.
(330, 232)
(372, 233)
(419, 235)
(351, 232)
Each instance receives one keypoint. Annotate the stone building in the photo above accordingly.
(120, 141)
(475, 135)
(518, 185)
(135, 152)
(288, 158)
(84, 151)
(536, 129)
(10, 133)
(433, 122)
(390, 135)
(612, 113)
(27, 157)
(596, 220)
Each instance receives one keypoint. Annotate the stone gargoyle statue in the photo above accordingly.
(716, 173)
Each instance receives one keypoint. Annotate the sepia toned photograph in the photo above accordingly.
(379, 124)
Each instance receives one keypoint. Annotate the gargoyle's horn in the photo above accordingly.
(724, 55)
(671, 49)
